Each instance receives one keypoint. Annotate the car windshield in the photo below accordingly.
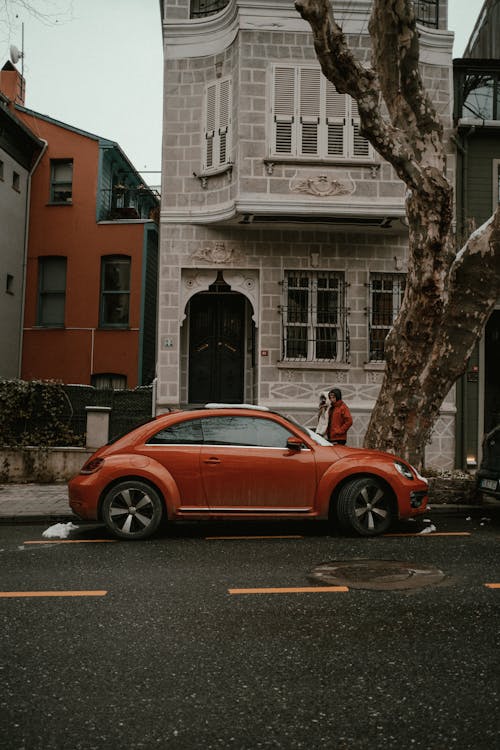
(317, 438)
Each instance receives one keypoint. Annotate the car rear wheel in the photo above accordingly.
(365, 507)
(132, 510)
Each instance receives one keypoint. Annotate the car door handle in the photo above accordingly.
(211, 460)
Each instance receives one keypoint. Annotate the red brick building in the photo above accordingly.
(91, 266)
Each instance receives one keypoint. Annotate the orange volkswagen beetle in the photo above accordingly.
(240, 462)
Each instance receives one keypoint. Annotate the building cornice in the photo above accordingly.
(200, 37)
(262, 206)
(211, 35)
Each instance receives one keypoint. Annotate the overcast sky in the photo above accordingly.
(97, 65)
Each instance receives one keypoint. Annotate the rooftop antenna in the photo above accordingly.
(17, 54)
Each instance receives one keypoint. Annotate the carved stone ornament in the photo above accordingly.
(321, 185)
(217, 252)
(245, 281)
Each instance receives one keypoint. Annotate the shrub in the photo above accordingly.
(36, 413)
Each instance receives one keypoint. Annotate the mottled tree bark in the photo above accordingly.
(449, 295)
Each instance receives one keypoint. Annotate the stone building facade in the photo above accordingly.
(283, 234)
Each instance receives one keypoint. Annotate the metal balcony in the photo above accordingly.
(427, 12)
(202, 8)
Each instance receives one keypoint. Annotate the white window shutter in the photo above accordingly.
(310, 118)
(210, 124)
(217, 123)
(309, 110)
(360, 146)
(224, 120)
(284, 110)
(336, 119)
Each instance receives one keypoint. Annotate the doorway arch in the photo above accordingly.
(220, 341)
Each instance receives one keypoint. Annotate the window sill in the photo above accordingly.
(204, 175)
(294, 364)
(104, 327)
(60, 203)
(270, 163)
(374, 366)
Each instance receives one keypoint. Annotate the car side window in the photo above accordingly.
(183, 433)
(252, 431)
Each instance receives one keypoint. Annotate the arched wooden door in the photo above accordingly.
(216, 348)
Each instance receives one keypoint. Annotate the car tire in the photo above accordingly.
(132, 509)
(365, 506)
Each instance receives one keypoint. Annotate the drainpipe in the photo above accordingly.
(25, 258)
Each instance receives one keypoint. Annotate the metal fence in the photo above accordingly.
(129, 408)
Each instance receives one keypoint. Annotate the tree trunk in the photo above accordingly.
(449, 296)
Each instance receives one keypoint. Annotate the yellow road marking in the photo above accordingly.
(282, 536)
(434, 533)
(294, 590)
(70, 541)
(492, 585)
(14, 594)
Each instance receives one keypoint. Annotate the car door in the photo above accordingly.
(177, 449)
(246, 467)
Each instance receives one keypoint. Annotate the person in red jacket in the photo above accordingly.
(335, 418)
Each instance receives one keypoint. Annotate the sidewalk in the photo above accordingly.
(34, 503)
(44, 503)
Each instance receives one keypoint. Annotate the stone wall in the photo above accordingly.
(43, 465)
(453, 491)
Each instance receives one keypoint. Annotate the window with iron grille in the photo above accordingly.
(217, 123)
(386, 294)
(311, 119)
(314, 316)
(427, 12)
(201, 8)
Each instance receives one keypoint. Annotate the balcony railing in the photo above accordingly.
(121, 203)
(427, 12)
(202, 8)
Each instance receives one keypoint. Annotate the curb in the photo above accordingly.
(38, 518)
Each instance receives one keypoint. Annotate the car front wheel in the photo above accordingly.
(132, 510)
(365, 506)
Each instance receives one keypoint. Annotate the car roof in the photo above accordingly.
(236, 406)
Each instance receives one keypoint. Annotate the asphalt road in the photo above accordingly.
(161, 644)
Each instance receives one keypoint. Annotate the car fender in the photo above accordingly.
(122, 465)
(342, 471)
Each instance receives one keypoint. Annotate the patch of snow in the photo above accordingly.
(428, 529)
(59, 530)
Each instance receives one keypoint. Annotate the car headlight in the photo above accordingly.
(404, 469)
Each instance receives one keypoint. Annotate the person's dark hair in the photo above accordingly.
(336, 392)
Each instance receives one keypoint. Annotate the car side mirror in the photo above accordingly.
(294, 444)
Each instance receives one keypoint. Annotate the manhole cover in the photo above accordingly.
(381, 575)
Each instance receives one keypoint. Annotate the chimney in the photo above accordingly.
(12, 84)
